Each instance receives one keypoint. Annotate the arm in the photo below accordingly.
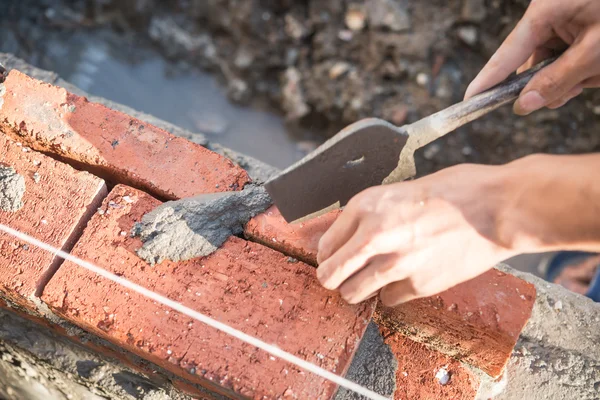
(418, 238)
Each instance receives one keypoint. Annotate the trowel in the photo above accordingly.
(373, 152)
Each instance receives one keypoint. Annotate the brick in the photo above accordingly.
(244, 284)
(111, 144)
(299, 240)
(478, 321)
(417, 369)
(55, 209)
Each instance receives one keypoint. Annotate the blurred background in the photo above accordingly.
(274, 78)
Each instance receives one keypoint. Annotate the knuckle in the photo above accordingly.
(548, 83)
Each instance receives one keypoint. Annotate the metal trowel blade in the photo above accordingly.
(360, 156)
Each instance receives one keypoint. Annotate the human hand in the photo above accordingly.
(547, 26)
(417, 238)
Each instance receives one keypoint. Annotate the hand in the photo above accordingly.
(417, 238)
(549, 25)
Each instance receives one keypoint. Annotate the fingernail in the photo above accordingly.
(529, 102)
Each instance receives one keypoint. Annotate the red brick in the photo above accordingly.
(478, 321)
(246, 285)
(299, 240)
(417, 369)
(54, 211)
(112, 144)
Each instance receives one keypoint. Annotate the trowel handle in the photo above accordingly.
(455, 116)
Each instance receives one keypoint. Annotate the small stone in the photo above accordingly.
(442, 376)
(355, 19)
(467, 150)
(474, 10)
(468, 34)
(36, 177)
(399, 114)
(422, 79)
(292, 260)
(338, 69)
(431, 150)
(558, 305)
(345, 35)
(294, 28)
(390, 14)
(596, 110)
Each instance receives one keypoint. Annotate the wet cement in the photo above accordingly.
(12, 189)
(197, 226)
(373, 366)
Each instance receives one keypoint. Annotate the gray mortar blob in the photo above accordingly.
(374, 366)
(12, 189)
(197, 226)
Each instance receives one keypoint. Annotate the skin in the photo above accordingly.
(415, 239)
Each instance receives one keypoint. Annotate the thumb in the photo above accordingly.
(554, 82)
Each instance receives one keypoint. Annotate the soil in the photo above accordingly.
(327, 64)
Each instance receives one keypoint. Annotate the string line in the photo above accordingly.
(269, 348)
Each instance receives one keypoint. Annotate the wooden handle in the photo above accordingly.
(447, 120)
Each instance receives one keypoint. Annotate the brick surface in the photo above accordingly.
(299, 240)
(417, 369)
(58, 200)
(478, 321)
(111, 144)
(243, 284)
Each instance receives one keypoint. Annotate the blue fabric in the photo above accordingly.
(563, 260)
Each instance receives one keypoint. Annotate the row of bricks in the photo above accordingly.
(286, 306)
(474, 322)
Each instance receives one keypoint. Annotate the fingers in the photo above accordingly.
(528, 35)
(398, 292)
(368, 281)
(591, 83)
(346, 261)
(576, 91)
(340, 231)
(538, 56)
(554, 83)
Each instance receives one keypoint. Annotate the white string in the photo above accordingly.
(269, 348)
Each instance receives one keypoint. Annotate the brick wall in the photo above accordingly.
(67, 148)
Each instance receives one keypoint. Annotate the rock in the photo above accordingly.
(345, 35)
(388, 14)
(294, 28)
(294, 103)
(474, 10)
(243, 58)
(338, 69)
(399, 114)
(422, 79)
(355, 19)
(468, 34)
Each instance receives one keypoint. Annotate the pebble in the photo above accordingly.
(399, 114)
(422, 79)
(355, 20)
(443, 376)
(468, 34)
(338, 69)
(345, 35)
(558, 305)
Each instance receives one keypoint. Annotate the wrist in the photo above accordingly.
(549, 203)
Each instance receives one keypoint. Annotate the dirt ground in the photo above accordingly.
(325, 64)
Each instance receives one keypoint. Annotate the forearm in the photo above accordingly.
(550, 203)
